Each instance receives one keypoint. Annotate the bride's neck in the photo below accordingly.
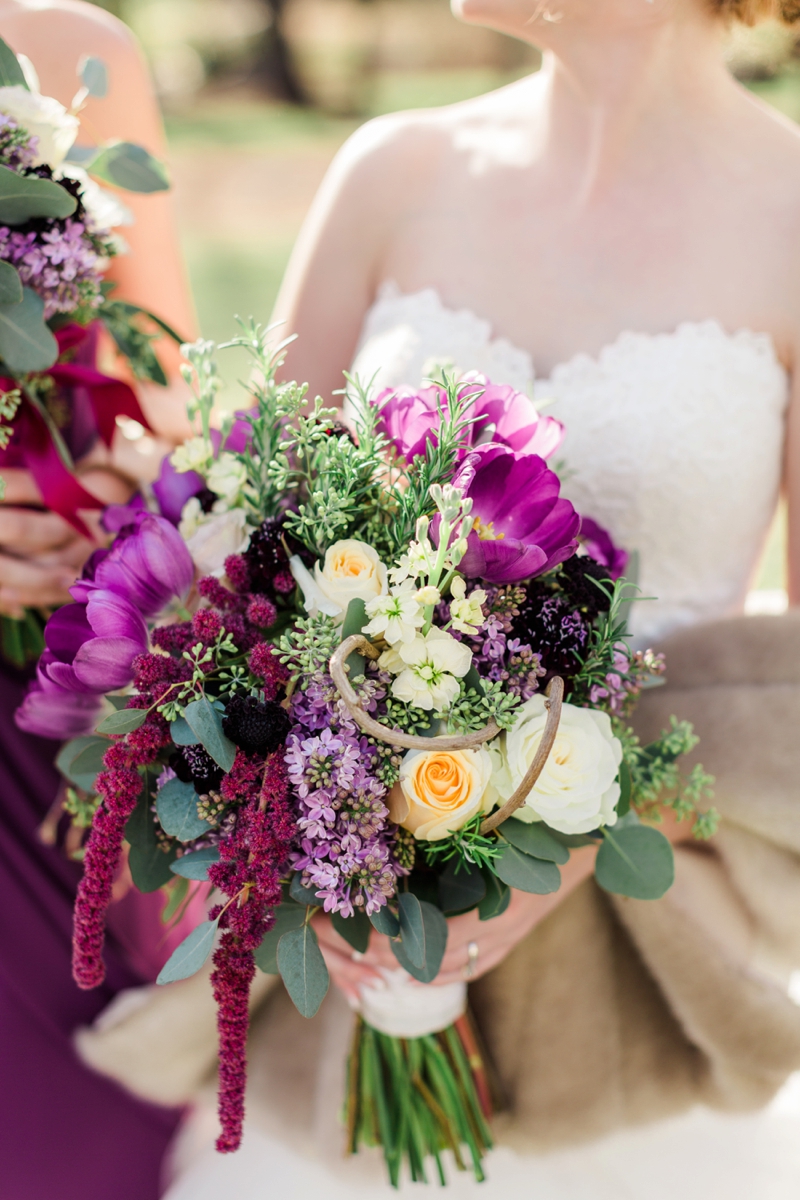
(610, 98)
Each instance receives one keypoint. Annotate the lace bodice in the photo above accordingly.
(673, 443)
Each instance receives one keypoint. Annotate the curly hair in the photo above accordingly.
(750, 11)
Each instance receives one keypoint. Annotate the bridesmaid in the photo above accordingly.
(65, 1132)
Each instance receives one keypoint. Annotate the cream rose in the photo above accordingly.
(44, 118)
(578, 790)
(440, 790)
(211, 537)
(351, 571)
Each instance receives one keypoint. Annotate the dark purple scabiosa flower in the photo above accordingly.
(193, 764)
(267, 560)
(411, 418)
(523, 527)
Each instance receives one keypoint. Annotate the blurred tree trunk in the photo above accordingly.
(274, 68)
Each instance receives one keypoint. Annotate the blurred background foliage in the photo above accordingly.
(259, 94)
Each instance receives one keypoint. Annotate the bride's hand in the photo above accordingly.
(494, 939)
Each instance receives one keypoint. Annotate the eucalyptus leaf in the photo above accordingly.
(287, 916)
(497, 898)
(116, 702)
(535, 839)
(182, 734)
(385, 921)
(527, 874)
(26, 344)
(11, 72)
(130, 167)
(303, 895)
(190, 956)
(435, 927)
(412, 929)
(89, 763)
(635, 861)
(354, 621)
(206, 722)
(355, 930)
(461, 887)
(94, 75)
(196, 864)
(124, 721)
(25, 196)
(176, 806)
(150, 866)
(303, 970)
(72, 751)
(625, 789)
(10, 284)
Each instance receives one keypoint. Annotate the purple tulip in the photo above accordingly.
(409, 419)
(523, 526)
(91, 646)
(597, 542)
(54, 712)
(148, 563)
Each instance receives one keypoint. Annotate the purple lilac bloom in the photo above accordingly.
(62, 264)
(18, 150)
(346, 845)
(410, 419)
(523, 527)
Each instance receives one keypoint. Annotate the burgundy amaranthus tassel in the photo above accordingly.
(118, 787)
(249, 871)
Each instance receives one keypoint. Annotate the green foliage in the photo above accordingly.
(467, 845)
(526, 873)
(303, 970)
(205, 721)
(134, 331)
(123, 721)
(11, 73)
(81, 808)
(424, 935)
(355, 930)
(306, 649)
(635, 860)
(534, 838)
(176, 806)
(657, 781)
(608, 632)
(462, 887)
(130, 167)
(187, 959)
(473, 709)
(288, 916)
(26, 344)
(151, 852)
(196, 864)
(23, 197)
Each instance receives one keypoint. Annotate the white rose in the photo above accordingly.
(440, 790)
(351, 571)
(578, 790)
(44, 118)
(211, 537)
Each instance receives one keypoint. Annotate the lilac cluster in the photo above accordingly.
(496, 654)
(348, 848)
(621, 686)
(61, 263)
(18, 150)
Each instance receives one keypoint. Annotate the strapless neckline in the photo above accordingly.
(391, 292)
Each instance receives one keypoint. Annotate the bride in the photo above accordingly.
(625, 222)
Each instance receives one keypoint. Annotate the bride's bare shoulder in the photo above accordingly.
(766, 138)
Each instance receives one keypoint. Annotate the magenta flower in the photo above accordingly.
(523, 527)
(92, 646)
(597, 543)
(55, 712)
(499, 414)
(148, 563)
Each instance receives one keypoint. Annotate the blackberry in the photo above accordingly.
(193, 764)
(257, 727)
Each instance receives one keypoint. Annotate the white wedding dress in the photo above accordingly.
(673, 443)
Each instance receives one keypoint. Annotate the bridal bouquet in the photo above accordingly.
(380, 672)
(56, 240)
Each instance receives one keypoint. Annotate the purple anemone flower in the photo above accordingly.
(523, 527)
(499, 413)
(92, 646)
(598, 544)
(148, 563)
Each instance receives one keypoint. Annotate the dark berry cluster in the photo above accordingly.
(267, 560)
(558, 611)
(255, 726)
(193, 764)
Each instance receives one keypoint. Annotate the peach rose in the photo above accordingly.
(440, 790)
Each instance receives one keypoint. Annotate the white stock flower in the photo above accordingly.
(195, 454)
(429, 670)
(578, 790)
(351, 571)
(226, 476)
(44, 118)
(413, 563)
(397, 616)
(428, 596)
(466, 612)
(211, 537)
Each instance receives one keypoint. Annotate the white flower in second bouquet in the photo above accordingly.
(578, 790)
(352, 570)
(44, 118)
(211, 537)
(397, 616)
(226, 476)
(195, 454)
(431, 668)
